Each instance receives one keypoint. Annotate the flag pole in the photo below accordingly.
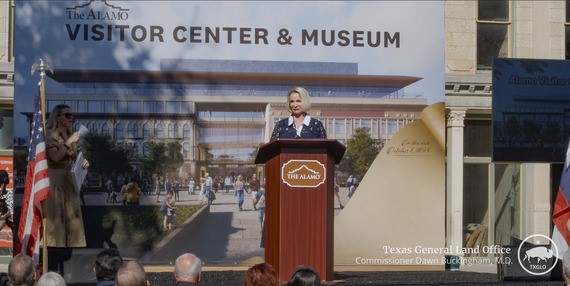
(42, 67)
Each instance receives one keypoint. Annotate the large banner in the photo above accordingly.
(382, 38)
(102, 53)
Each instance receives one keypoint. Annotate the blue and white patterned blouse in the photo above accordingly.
(311, 128)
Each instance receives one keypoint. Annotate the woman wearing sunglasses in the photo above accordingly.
(63, 210)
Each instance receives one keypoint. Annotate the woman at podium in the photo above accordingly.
(300, 124)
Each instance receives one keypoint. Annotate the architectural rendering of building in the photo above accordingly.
(492, 203)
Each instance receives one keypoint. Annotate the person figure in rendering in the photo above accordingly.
(227, 183)
(167, 210)
(109, 187)
(260, 204)
(133, 193)
(187, 270)
(22, 271)
(107, 264)
(202, 194)
(254, 186)
(64, 220)
(176, 189)
(336, 193)
(299, 124)
(191, 186)
(240, 186)
(208, 192)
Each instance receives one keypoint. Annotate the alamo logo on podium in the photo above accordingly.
(303, 173)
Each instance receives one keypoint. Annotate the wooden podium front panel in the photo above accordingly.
(272, 206)
(299, 220)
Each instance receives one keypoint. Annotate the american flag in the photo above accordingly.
(561, 211)
(36, 188)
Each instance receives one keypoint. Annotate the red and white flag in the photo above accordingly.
(36, 189)
(561, 211)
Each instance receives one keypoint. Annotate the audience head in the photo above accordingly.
(131, 273)
(51, 279)
(304, 276)
(22, 270)
(188, 268)
(262, 274)
(107, 263)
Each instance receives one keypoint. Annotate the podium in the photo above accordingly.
(299, 212)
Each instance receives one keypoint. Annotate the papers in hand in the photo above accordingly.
(83, 130)
(78, 172)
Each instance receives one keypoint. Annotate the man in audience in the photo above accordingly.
(22, 271)
(131, 273)
(187, 270)
(106, 265)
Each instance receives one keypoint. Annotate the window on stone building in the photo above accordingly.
(121, 107)
(186, 150)
(119, 131)
(176, 131)
(93, 128)
(145, 148)
(159, 107)
(186, 131)
(159, 131)
(147, 107)
(133, 130)
(348, 124)
(94, 106)
(134, 107)
(171, 131)
(130, 130)
(374, 128)
(493, 28)
(339, 126)
(136, 148)
(478, 138)
(567, 29)
(108, 106)
(146, 131)
(173, 107)
(392, 127)
(105, 129)
(81, 106)
(186, 107)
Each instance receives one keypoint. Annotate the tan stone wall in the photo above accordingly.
(537, 31)
(460, 36)
(4, 28)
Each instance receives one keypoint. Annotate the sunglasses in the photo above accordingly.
(67, 115)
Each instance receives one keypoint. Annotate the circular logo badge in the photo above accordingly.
(537, 259)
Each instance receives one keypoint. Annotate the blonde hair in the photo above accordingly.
(55, 112)
(304, 94)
